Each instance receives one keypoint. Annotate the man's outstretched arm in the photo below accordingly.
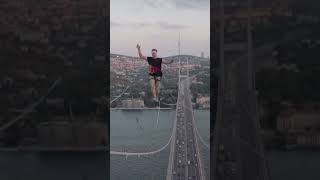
(140, 54)
(167, 62)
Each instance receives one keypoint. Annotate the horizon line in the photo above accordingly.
(162, 56)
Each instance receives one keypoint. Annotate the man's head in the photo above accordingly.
(154, 53)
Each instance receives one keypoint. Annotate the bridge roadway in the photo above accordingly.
(239, 154)
(186, 160)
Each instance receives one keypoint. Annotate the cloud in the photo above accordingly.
(191, 4)
(156, 3)
(140, 25)
(179, 4)
(161, 24)
(151, 3)
(114, 24)
(166, 25)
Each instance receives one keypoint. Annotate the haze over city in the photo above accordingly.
(156, 24)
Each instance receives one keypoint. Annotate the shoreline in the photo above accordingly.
(141, 108)
(154, 108)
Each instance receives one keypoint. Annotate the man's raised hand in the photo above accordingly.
(140, 54)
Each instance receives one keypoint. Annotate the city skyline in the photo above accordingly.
(157, 24)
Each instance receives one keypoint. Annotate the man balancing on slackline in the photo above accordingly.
(155, 72)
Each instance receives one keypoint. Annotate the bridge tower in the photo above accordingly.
(179, 54)
(237, 146)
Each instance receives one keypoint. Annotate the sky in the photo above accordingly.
(157, 24)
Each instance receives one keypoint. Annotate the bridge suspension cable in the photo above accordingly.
(149, 152)
(31, 107)
(197, 131)
(145, 153)
(196, 128)
(120, 95)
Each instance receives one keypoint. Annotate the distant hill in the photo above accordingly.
(175, 57)
(115, 55)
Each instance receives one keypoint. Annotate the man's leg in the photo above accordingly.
(157, 86)
(153, 87)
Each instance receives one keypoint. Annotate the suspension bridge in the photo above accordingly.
(192, 158)
(123, 153)
(185, 159)
(237, 146)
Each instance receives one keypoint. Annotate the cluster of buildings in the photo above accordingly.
(47, 16)
(132, 103)
(263, 16)
(67, 134)
(203, 102)
(122, 64)
(300, 125)
(53, 28)
(41, 41)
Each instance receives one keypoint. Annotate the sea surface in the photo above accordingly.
(137, 131)
(52, 166)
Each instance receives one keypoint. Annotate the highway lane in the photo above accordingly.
(179, 170)
(239, 152)
(186, 164)
(194, 164)
(239, 144)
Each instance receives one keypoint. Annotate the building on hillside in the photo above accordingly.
(203, 101)
(299, 122)
(300, 125)
(132, 103)
(61, 134)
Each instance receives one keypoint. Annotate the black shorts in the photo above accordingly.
(154, 77)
